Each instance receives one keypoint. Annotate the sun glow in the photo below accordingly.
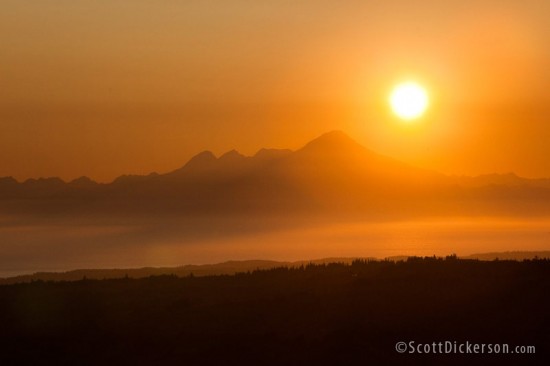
(409, 100)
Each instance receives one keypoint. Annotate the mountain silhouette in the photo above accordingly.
(332, 173)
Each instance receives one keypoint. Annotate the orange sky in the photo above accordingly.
(102, 88)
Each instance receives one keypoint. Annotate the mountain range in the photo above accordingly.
(332, 173)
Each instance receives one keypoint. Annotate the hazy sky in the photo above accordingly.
(106, 87)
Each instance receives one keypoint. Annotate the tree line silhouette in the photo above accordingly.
(332, 313)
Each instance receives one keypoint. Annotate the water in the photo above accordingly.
(65, 244)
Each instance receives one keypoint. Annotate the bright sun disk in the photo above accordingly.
(409, 100)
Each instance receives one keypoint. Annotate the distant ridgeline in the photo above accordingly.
(330, 174)
(233, 267)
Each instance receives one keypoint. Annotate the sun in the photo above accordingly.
(409, 100)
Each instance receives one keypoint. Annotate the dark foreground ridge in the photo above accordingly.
(335, 314)
(231, 267)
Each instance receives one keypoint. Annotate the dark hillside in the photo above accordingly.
(333, 314)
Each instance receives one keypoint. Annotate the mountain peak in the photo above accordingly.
(8, 180)
(232, 155)
(83, 182)
(336, 137)
(334, 134)
(231, 152)
(332, 142)
(200, 160)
